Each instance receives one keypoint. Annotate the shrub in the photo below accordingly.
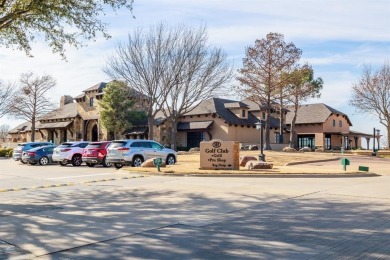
(6, 152)
(183, 148)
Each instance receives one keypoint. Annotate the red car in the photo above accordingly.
(95, 153)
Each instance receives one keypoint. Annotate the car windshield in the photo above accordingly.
(65, 145)
(93, 146)
(116, 145)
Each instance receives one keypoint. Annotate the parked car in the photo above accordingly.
(22, 147)
(69, 152)
(135, 152)
(41, 155)
(95, 153)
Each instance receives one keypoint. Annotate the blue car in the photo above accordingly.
(42, 155)
(18, 151)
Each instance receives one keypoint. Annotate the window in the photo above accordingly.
(91, 102)
(243, 114)
(277, 138)
(334, 123)
(340, 123)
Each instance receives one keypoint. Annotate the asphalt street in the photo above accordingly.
(54, 212)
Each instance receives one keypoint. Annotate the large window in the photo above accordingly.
(306, 141)
(334, 123)
(91, 102)
(328, 142)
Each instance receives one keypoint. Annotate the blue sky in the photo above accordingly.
(337, 38)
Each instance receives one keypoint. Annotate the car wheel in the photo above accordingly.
(76, 160)
(23, 162)
(91, 164)
(44, 161)
(137, 161)
(63, 163)
(118, 165)
(106, 164)
(171, 159)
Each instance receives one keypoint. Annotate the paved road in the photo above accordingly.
(161, 217)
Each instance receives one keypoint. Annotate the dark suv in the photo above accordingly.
(95, 153)
(22, 147)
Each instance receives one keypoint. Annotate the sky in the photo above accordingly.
(337, 37)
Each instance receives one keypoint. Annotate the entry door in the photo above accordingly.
(194, 139)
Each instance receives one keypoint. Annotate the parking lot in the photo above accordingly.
(102, 213)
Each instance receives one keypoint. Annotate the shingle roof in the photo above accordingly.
(314, 113)
(218, 106)
(67, 111)
(99, 87)
(26, 126)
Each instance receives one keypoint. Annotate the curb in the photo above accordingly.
(269, 175)
(313, 161)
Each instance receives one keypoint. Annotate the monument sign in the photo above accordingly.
(219, 155)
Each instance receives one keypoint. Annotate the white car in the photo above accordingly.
(69, 152)
(135, 152)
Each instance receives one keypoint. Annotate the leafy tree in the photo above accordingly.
(201, 71)
(117, 108)
(6, 95)
(301, 87)
(31, 99)
(60, 22)
(261, 75)
(371, 94)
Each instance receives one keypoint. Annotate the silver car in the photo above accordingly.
(135, 152)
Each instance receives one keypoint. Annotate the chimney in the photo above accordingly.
(65, 100)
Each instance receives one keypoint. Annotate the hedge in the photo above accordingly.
(6, 152)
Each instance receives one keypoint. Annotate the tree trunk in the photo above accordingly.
(33, 129)
(388, 136)
(292, 131)
(281, 137)
(150, 125)
(173, 135)
(267, 130)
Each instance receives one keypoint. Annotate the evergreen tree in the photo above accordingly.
(117, 108)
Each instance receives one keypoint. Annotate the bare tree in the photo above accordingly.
(148, 64)
(6, 95)
(261, 76)
(32, 99)
(371, 94)
(200, 72)
(301, 87)
(4, 129)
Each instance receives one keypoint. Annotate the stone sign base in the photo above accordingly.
(219, 155)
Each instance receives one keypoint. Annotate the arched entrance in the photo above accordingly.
(94, 133)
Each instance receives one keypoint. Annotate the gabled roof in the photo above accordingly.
(26, 126)
(99, 87)
(67, 111)
(314, 113)
(218, 106)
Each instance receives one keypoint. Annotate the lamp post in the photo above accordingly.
(378, 136)
(259, 126)
(376, 131)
